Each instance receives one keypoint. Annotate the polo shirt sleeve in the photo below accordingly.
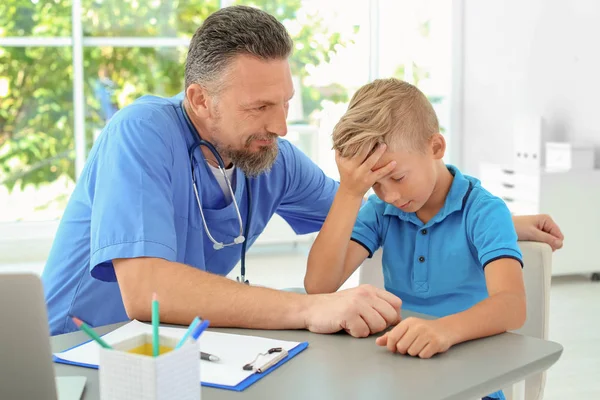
(129, 184)
(308, 192)
(368, 225)
(491, 230)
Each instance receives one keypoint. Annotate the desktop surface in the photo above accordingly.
(341, 367)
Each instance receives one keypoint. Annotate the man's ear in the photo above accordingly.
(199, 100)
(438, 146)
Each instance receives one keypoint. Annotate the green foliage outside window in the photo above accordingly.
(36, 83)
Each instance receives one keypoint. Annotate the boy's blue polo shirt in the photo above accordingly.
(437, 268)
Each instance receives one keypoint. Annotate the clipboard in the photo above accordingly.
(235, 351)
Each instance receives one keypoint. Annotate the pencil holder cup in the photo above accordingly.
(130, 372)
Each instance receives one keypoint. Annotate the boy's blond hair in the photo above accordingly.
(387, 111)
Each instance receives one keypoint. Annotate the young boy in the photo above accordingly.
(449, 246)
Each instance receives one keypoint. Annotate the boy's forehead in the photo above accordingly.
(402, 160)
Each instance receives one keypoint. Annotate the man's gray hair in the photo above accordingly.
(229, 32)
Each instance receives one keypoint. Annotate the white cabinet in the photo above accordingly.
(571, 198)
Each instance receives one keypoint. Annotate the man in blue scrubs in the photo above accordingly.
(133, 224)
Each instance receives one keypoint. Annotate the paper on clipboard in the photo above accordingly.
(234, 352)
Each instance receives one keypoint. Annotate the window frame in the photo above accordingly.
(22, 237)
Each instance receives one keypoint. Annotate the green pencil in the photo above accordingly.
(91, 333)
(155, 323)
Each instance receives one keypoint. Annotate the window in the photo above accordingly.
(144, 18)
(116, 76)
(112, 51)
(36, 132)
(35, 18)
(415, 46)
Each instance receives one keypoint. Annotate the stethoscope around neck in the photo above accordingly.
(243, 228)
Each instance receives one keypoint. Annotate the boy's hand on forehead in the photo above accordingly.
(356, 173)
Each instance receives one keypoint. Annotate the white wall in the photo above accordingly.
(524, 58)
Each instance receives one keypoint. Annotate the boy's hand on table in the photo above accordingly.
(417, 337)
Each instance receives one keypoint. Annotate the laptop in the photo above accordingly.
(26, 367)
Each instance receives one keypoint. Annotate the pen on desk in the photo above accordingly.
(208, 357)
(197, 332)
(155, 323)
(91, 333)
(188, 332)
(201, 328)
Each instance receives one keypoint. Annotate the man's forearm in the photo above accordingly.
(185, 292)
(496, 314)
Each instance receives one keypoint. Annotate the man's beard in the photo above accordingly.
(251, 163)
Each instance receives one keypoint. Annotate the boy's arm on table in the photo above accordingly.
(504, 310)
(493, 235)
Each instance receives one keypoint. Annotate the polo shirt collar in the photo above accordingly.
(455, 200)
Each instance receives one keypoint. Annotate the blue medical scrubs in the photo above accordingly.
(135, 199)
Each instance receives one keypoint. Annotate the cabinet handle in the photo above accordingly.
(508, 171)
(508, 185)
(508, 199)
